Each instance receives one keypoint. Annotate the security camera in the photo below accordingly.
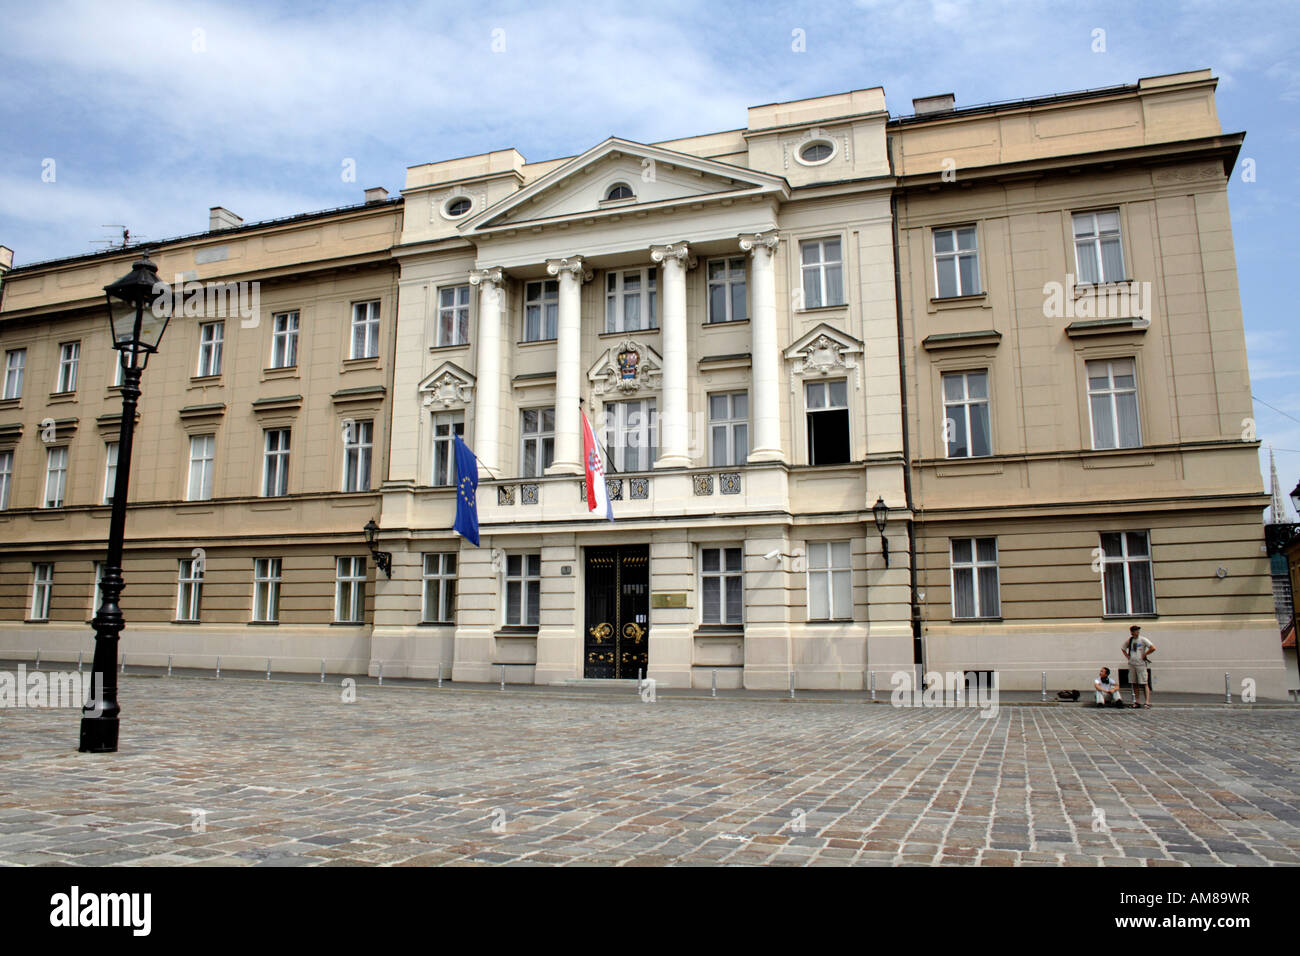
(774, 553)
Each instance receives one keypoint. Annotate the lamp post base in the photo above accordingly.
(98, 735)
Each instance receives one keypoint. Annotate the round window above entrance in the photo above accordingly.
(816, 152)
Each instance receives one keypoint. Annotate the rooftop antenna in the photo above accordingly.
(126, 240)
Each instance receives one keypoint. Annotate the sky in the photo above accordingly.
(147, 113)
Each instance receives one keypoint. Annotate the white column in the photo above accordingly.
(568, 374)
(674, 446)
(764, 399)
(487, 387)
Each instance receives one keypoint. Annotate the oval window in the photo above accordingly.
(818, 151)
(620, 191)
(458, 206)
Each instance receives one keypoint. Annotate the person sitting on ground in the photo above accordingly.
(1107, 689)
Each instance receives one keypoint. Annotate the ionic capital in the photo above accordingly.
(677, 252)
(756, 242)
(487, 277)
(572, 265)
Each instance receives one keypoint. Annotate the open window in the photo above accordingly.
(828, 422)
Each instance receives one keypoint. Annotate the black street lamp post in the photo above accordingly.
(1295, 503)
(139, 307)
(880, 511)
(383, 559)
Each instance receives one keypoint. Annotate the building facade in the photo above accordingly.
(1007, 337)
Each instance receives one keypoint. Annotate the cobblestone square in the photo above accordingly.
(256, 773)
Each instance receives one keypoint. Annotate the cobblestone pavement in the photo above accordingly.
(287, 774)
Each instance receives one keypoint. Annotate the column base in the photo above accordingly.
(565, 468)
(673, 461)
(765, 454)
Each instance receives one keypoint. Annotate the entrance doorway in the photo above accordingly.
(617, 625)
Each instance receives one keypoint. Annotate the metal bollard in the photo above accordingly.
(1227, 689)
(715, 682)
(38, 658)
(268, 668)
(873, 685)
(503, 676)
(792, 685)
(123, 670)
(381, 673)
(638, 676)
(322, 670)
(439, 673)
(218, 666)
(79, 653)
(1044, 696)
(169, 665)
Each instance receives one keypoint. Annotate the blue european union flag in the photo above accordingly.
(466, 492)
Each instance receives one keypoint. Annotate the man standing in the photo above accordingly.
(1137, 648)
(1107, 689)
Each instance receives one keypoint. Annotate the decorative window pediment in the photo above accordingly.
(824, 351)
(628, 367)
(448, 386)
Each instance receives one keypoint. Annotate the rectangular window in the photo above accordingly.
(110, 471)
(966, 414)
(6, 477)
(97, 594)
(727, 294)
(631, 300)
(1098, 250)
(358, 452)
(266, 589)
(189, 589)
(823, 272)
(350, 591)
(439, 588)
(446, 424)
(203, 452)
(975, 577)
(15, 366)
(1127, 583)
(69, 357)
(365, 330)
(828, 422)
(830, 581)
(956, 262)
(523, 589)
(275, 463)
(42, 589)
(541, 310)
(56, 476)
(1113, 403)
(453, 315)
(728, 428)
(632, 435)
(284, 340)
(721, 587)
(212, 336)
(118, 371)
(538, 452)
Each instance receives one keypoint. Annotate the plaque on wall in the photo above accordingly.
(668, 599)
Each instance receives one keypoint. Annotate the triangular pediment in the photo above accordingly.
(824, 350)
(656, 177)
(447, 386)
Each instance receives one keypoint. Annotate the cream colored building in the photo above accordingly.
(1078, 397)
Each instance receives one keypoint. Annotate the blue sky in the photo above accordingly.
(152, 112)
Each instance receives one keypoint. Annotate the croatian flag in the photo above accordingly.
(597, 493)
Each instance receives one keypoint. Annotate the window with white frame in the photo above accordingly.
(1128, 585)
(42, 590)
(966, 414)
(358, 452)
(365, 329)
(118, 370)
(453, 315)
(266, 590)
(69, 357)
(827, 408)
(956, 262)
(727, 290)
(631, 300)
(189, 589)
(728, 428)
(632, 434)
(284, 340)
(97, 595)
(523, 589)
(721, 586)
(1113, 403)
(439, 588)
(1098, 248)
(56, 476)
(823, 272)
(445, 425)
(830, 581)
(541, 310)
(15, 367)
(350, 591)
(110, 471)
(203, 453)
(975, 577)
(275, 463)
(6, 477)
(212, 336)
(537, 426)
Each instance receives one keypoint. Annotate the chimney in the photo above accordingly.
(6, 259)
(943, 103)
(376, 194)
(220, 218)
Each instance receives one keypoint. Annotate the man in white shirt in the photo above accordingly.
(1107, 689)
(1137, 648)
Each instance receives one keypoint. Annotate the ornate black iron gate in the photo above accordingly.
(618, 612)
